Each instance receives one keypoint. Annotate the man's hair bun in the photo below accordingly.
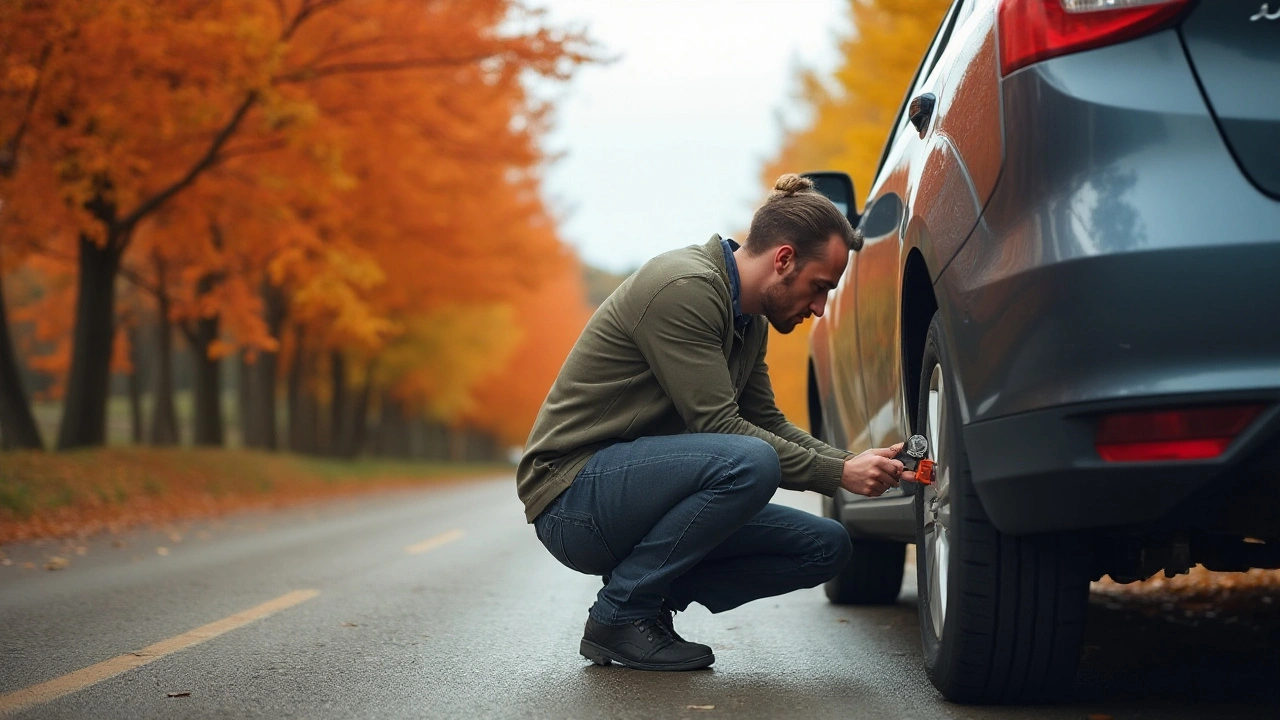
(800, 216)
(791, 183)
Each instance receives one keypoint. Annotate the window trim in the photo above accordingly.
(941, 38)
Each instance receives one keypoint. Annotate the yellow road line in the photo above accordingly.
(81, 679)
(435, 542)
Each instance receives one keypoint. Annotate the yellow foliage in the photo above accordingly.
(851, 114)
(441, 357)
(788, 358)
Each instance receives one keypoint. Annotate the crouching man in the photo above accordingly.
(658, 448)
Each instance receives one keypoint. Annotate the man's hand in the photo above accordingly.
(874, 471)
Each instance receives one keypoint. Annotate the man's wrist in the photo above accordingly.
(825, 474)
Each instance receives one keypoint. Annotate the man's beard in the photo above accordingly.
(776, 303)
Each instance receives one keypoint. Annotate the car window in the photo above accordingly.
(927, 63)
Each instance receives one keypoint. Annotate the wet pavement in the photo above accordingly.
(441, 604)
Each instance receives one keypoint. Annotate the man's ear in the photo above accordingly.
(784, 259)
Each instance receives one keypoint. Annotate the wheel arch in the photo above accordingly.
(918, 307)
(815, 403)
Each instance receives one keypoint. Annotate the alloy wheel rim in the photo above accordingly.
(937, 502)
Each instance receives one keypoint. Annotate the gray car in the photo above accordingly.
(1070, 284)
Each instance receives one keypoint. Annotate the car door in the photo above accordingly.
(879, 267)
(845, 420)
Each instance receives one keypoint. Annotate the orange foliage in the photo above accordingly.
(549, 320)
(375, 160)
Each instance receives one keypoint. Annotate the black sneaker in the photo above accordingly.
(643, 644)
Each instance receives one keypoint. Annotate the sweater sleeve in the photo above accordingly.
(759, 407)
(680, 334)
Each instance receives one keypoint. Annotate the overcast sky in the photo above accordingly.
(664, 146)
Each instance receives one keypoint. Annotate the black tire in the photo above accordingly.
(873, 575)
(1012, 621)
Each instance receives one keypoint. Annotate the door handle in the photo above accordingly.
(921, 110)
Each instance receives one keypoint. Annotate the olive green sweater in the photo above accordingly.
(661, 356)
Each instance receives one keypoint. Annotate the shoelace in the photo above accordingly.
(651, 627)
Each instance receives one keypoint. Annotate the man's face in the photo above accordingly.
(798, 291)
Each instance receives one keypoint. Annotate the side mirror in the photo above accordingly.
(838, 188)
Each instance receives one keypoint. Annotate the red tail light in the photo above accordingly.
(1035, 30)
(1192, 434)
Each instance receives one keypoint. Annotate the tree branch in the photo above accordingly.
(264, 146)
(139, 282)
(208, 159)
(309, 8)
(9, 153)
(351, 68)
(338, 49)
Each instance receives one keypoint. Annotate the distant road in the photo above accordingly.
(440, 603)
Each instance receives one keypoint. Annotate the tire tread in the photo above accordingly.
(1016, 615)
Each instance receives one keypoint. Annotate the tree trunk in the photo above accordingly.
(17, 425)
(207, 384)
(296, 375)
(310, 419)
(358, 424)
(84, 418)
(457, 444)
(164, 417)
(135, 387)
(337, 404)
(304, 413)
(391, 430)
(264, 399)
(208, 372)
(250, 436)
(267, 368)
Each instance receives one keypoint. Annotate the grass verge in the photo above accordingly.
(83, 492)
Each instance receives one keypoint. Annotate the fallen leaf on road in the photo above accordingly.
(162, 551)
(185, 693)
(117, 543)
(6, 562)
(349, 625)
(701, 707)
(28, 566)
(842, 620)
(56, 563)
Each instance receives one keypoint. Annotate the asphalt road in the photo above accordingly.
(441, 604)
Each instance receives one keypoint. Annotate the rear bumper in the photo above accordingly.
(1039, 472)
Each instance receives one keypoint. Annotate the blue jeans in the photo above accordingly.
(686, 518)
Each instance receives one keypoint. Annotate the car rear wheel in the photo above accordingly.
(873, 575)
(1001, 616)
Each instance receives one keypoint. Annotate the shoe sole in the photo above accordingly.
(603, 656)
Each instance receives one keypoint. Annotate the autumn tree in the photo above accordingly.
(22, 75)
(850, 115)
(140, 102)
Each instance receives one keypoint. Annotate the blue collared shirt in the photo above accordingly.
(740, 321)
